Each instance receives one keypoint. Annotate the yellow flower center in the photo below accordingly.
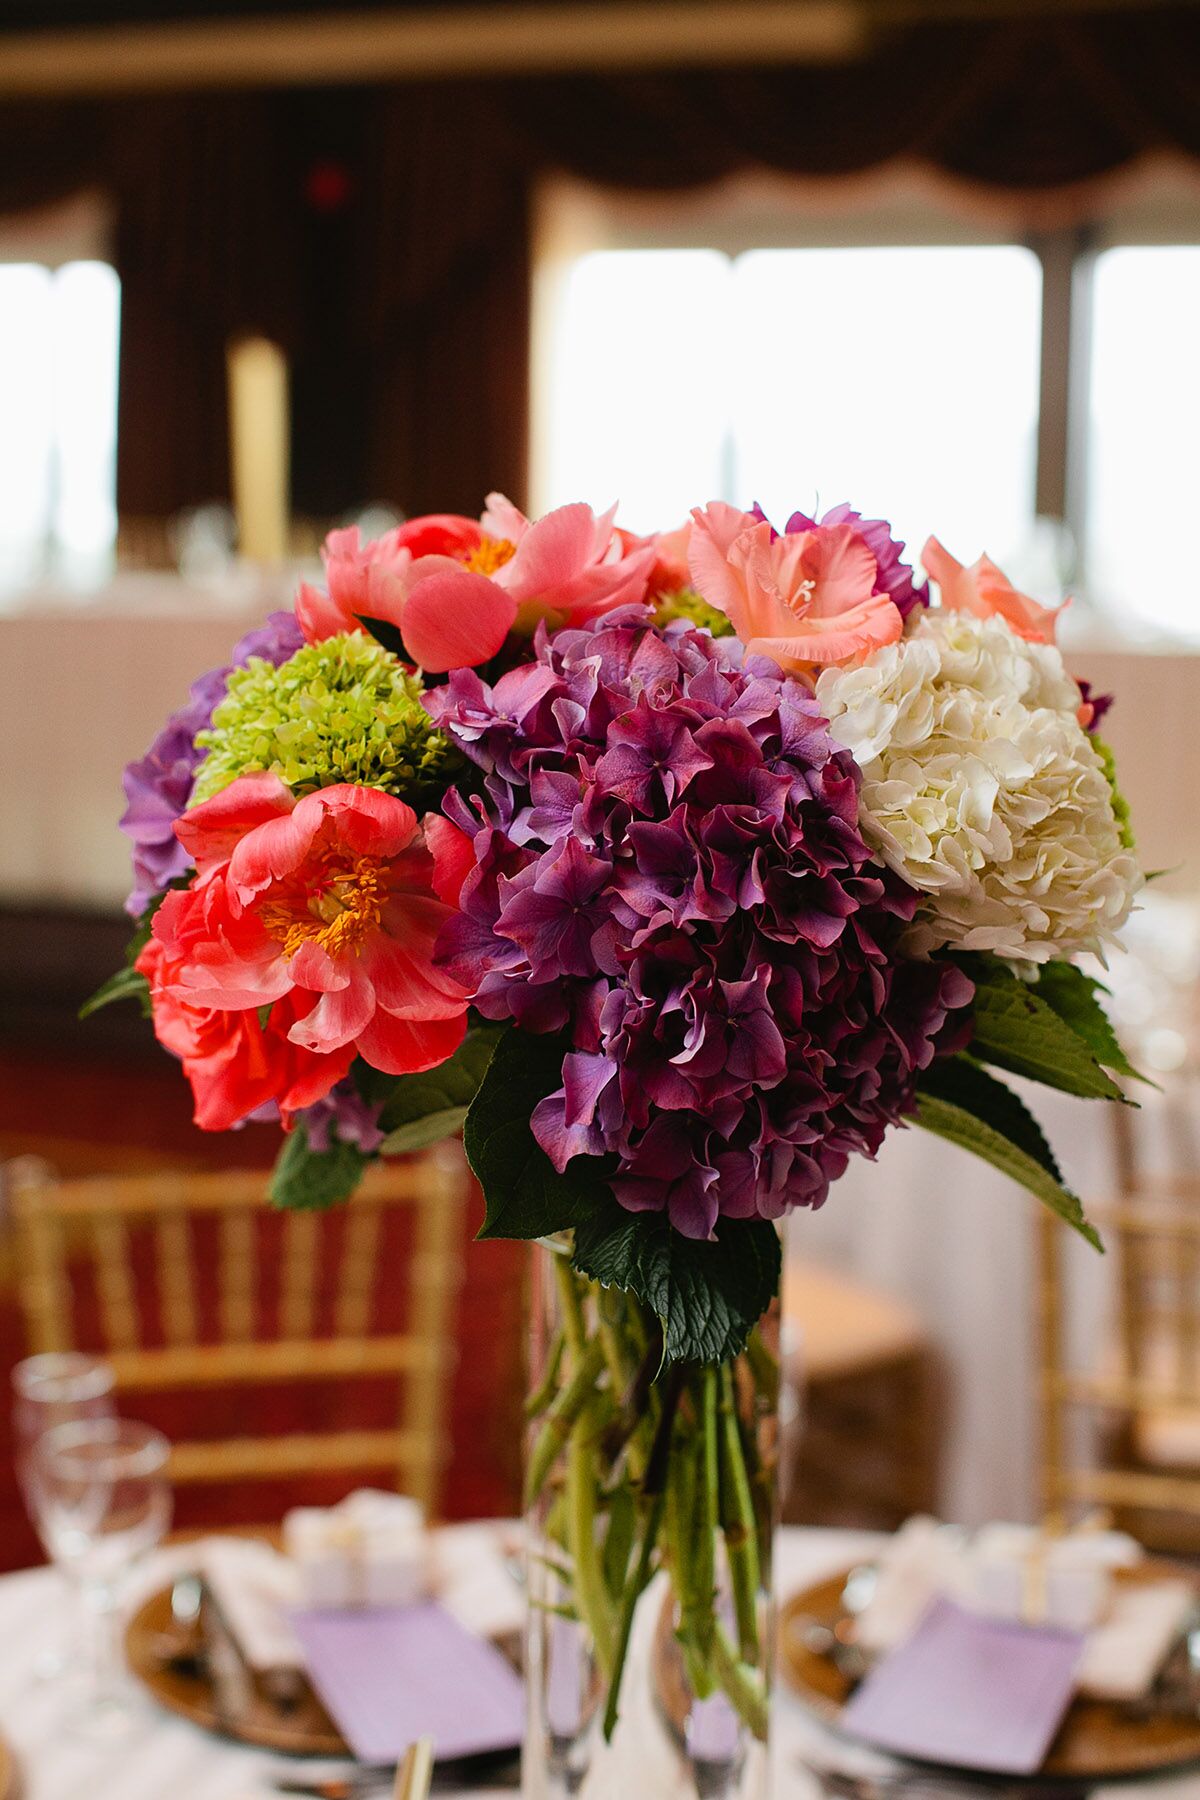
(337, 907)
(492, 554)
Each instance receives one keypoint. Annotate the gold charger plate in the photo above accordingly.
(304, 1729)
(1099, 1741)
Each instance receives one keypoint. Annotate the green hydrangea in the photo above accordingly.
(687, 604)
(1120, 805)
(345, 709)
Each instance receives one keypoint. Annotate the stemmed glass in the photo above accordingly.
(58, 1388)
(103, 1500)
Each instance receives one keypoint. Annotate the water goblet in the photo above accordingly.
(55, 1388)
(103, 1501)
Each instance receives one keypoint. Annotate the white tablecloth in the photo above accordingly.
(167, 1759)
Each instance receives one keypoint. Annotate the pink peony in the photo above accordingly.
(984, 590)
(455, 589)
(332, 903)
(806, 599)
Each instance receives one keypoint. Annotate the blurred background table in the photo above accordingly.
(168, 1756)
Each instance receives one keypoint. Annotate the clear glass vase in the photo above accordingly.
(651, 1509)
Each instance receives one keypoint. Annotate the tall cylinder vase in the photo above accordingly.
(651, 1503)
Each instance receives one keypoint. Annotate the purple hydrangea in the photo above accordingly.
(159, 784)
(669, 868)
(343, 1115)
(894, 576)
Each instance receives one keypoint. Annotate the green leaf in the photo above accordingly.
(451, 1087)
(126, 984)
(961, 1102)
(708, 1295)
(308, 1180)
(1016, 1029)
(1072, 994)
(420, 1133)
(526, 1197)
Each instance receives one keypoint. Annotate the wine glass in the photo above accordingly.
(103, 1500)
(57, 1388)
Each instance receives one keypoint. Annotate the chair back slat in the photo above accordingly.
(297, 1300)
(176, 1290)
(360, 1253)
(1095, 1418)
(237, 1272)
(303, 1311)
(114, 1277)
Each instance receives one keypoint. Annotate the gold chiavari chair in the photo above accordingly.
(171, 1277)
(1120, 1423)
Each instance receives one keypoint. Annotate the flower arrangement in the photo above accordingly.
(672, 872)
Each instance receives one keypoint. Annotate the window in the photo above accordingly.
(800, 378)
(1144, 436)
(58, 376)
(893, 357)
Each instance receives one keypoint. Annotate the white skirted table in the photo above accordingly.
(164, 1758)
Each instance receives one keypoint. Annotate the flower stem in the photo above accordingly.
(591, 1596)
(565, 1410)
(543, 1394)
(740, 1525)
(634, 1588)
(743, 1686)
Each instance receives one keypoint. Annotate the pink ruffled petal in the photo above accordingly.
(501, 519)
(456, 620)
(551, 553)
(404, 1047)
(338, 1017)
(844, 569)
(276, 848)
(368, 821)
(453, 857)
(211, 831)
(319, 615)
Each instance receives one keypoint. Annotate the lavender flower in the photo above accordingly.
(159, 784)
(669, 866)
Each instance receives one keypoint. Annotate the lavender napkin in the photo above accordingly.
(389, 1676)
(977, 1692)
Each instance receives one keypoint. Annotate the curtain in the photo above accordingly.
(382, 234)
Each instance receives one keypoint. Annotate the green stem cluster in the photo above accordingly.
(634, 1473)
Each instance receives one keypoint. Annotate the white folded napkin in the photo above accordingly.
(473, 1579)
(255, 1588)
(370, 1550)
(1018, 1572)
(1126, 1650)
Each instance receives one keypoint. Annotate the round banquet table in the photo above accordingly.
(165, 1758)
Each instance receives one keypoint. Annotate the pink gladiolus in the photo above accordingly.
(333, 901)
(985, 591)
(806, 598)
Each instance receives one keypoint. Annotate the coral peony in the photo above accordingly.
(236, 1065)
(456, 590)
(333, 903)
(806, 599)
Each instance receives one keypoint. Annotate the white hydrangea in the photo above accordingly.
(982, 789)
